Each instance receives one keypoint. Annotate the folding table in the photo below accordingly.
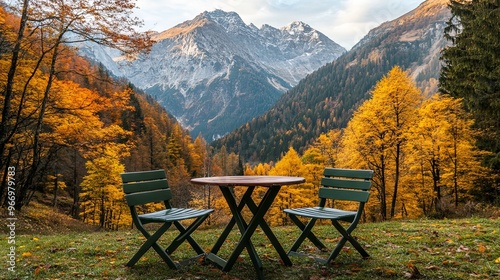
(227, 185)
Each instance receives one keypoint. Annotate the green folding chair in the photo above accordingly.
(151, 186)
(337, 184)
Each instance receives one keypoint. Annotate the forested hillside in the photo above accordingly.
(68, 128)
(326, 99)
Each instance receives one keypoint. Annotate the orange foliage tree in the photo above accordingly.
(35, 56)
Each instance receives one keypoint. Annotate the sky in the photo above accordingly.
(344, 21)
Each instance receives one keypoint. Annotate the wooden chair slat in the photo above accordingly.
(349, 173)
(140, 198)
(346, 183)
(343, 194)
(143, 176)
(144, 186)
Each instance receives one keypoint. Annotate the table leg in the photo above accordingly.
(244, 229)
(261, 210)
(246, 197)
(269, 233)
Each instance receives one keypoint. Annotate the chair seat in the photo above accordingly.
(174, 214)
(322, 213)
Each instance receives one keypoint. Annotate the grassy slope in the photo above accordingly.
(424, 249)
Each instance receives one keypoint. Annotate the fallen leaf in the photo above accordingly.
(55, 250)
(450, 262)
(462, 248)
(390, 272)
(26, 255)
(482, 248)
(415, 273)
(411, 251)
(497, 260)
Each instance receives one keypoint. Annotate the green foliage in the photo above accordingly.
(472, 65)
(471, 71)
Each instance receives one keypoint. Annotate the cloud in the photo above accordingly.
(344, 21)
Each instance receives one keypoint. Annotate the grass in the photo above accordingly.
(413, 249)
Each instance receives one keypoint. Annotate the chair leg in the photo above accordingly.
(151, 242)
(346, 236)
(185, 234)
(306, 233)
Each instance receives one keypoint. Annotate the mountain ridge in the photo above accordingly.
(326, 98)
(214, 72)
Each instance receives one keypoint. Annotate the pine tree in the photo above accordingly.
(472, 67)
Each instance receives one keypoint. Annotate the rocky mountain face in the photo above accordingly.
(420, 35)
(326, 98)
(214, 73)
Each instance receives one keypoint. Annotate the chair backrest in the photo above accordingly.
(145, 186)
(346, 184)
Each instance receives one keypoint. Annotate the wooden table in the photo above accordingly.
(226, 185)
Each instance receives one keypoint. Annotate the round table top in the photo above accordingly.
(262, 181)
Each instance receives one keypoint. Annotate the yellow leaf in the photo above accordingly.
(497, 260)
(26, 254)
(390, 272)
(482, 248)
(35, 239)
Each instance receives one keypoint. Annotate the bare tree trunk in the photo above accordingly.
(8, 92)
(36, 142)
(56, 186)
(383, 194)
(396, 180)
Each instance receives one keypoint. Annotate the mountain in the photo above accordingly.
(326, 98)
(214, 72)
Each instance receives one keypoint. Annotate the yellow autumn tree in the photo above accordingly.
(322, 153)
(259, 169)
(445, 163)
(325, 149)
(102, 200)
(375, 137)
(289, 196)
